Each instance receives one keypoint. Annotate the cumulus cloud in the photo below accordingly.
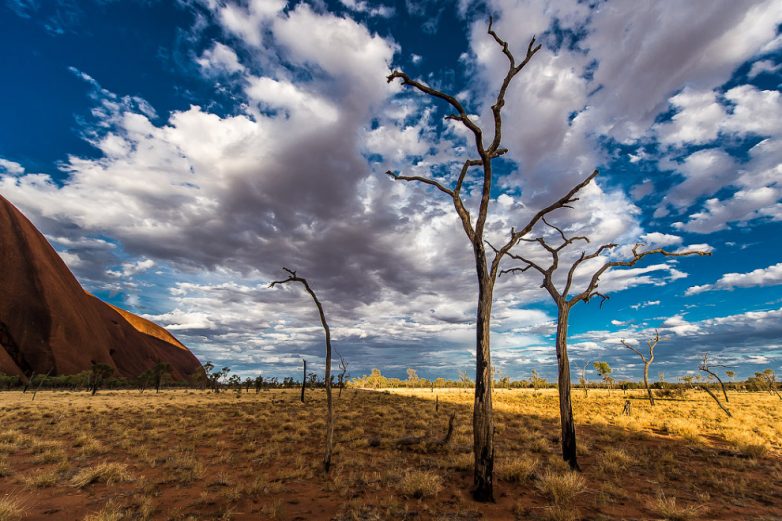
(219, 59)
(11, 167)
(769, 276)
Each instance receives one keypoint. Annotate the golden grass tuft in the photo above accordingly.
(613, 460)
(670, 510)
(561, 487)
(420, 484)
(517, 469)
(102, 473)
(11, 509)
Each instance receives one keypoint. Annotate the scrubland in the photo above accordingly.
(188, 455)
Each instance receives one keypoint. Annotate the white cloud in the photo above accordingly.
(247, 22)
(361, 6)
(769, 276)
(220, 59)
(660, 240)
(763, 66)
(697, 120)
(645, 304)
(10, 167)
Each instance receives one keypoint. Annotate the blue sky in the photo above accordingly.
(177, 154)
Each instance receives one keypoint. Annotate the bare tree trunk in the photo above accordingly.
(303, 381)
(482, 422)
(329, 404)
(327, 377)
(724, 409)
(565, 405)
(646, 382)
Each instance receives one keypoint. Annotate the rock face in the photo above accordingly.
(48, 322)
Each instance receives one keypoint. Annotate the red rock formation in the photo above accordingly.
(48, 322)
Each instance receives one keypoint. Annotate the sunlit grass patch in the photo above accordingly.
(11, 509)
(517, 468)
(102, 473)
(561, 487)
(420, 484)
(672, 510)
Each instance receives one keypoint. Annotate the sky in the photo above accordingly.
(178, 154)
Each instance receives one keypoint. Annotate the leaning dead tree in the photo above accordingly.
(485, 152)
(565, 302)
(292, 277)
(707, 367)
(647, 360)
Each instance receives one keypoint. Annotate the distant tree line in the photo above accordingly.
(763, 381)
(221, 380)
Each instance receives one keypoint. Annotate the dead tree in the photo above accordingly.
(303, 380)
(584, 379)
(565, 305)
(487, 270)
(647, 360)
(706, 368)
(705, 386)
(292, 277)
(343, 370)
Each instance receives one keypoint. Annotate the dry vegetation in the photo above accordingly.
(187, 455)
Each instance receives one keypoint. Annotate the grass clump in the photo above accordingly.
(614, 460)
(10, 509)
(517, 469)
(42, 479)
(561, 487)
(420, 484)
(102, 473)
(669, 510)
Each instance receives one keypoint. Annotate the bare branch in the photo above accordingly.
(631, 348)
(637, 256)
(516, 236)
(513, 70)
(420, 179)
(462, 114)
(463, 173)
(291, 278)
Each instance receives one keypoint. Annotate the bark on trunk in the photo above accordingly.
(482, 422)
(303, 381)
(329, 406)
(565, 405)
(646, 383)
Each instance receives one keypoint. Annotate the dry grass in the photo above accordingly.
(11, 509)
(420, 484)
(188, 455)
(562, 487)
(517, 469)
(107, 473)
(671, 510)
